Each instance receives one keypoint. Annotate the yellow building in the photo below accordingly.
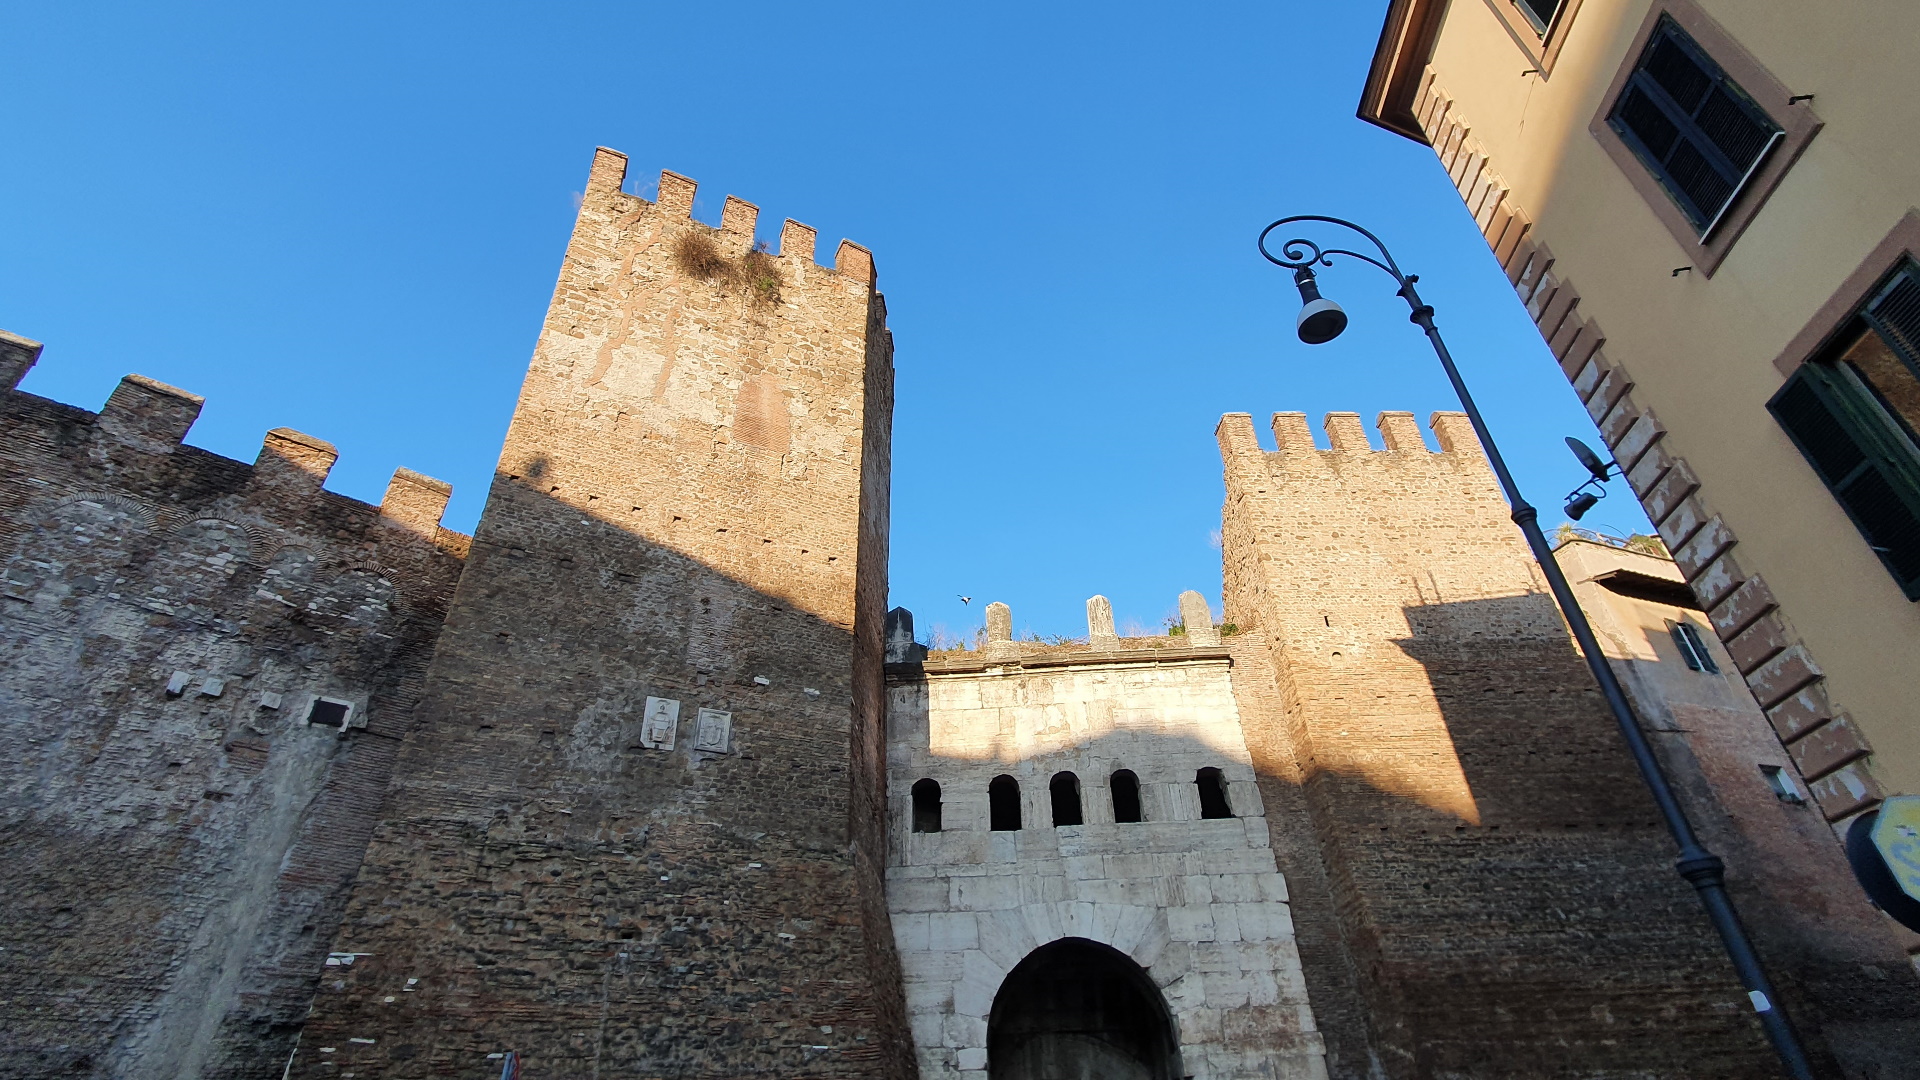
(1708, 208)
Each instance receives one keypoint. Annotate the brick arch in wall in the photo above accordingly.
(76, 543)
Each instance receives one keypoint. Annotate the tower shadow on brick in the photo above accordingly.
(1499, 898)
(690, 508)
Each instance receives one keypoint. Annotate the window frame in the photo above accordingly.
(1860, 415)
(1693, 647)
(1541, 45)
(1798, 123)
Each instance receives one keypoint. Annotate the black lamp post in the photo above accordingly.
(1321, 320)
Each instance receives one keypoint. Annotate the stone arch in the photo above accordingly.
(1075, 1009)
(197, 565)
(76, 545)
(258, 542)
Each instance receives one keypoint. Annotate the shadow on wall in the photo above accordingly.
(1034, 853)
(208, 668)
(568, 870)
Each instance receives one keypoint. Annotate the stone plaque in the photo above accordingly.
(714, 732)
(661, 722)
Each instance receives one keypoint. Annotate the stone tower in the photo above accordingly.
(1478, 845)
(636, 829)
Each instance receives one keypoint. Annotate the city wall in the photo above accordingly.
(206, 669)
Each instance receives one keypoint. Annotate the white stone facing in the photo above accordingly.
(1197, 903)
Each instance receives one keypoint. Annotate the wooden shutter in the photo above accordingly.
(1701, 136)
(1831, 418)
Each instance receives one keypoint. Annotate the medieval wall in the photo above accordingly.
(1840, 967)
(1498, 879)
(178, 824)
(1195, 901)
(637, 829)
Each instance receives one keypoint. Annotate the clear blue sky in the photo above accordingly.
(347, 219)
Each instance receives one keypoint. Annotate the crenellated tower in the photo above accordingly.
(637, 826)
(1480, 842)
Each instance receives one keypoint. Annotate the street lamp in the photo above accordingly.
(1599, 470)
(1321, 320)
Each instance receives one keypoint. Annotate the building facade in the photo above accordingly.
(1701, 205)
(642, 779)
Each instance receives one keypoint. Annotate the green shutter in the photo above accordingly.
(1835, 423)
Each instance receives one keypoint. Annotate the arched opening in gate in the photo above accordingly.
(1078, 1010)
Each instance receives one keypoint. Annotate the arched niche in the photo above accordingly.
(1075, 1009)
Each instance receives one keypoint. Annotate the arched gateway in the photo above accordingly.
(1075, 1009)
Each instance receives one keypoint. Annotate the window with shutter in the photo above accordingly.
(1540, 12)
(1696, 131)
(1854, 411)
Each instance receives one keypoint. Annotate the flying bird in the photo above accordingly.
(966, 599)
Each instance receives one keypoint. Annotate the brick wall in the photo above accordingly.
(1498, 877)
(690, 507)
(178, 839)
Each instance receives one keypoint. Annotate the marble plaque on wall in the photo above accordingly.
(660, 723)
(714, 732)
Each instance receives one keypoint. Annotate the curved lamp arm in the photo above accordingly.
(1303, 254)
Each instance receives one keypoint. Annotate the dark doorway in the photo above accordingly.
(926, 806)
(1066, 799)
(1213, 794)
(1126, 796)
(1003, 804)
(1079, 1010)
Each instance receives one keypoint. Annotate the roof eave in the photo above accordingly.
(1406, 43)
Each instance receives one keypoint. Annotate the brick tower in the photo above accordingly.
(636, 827)
(1487, 890)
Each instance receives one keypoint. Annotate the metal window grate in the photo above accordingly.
(1699, 134)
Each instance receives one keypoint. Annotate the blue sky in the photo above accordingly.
(347, 219)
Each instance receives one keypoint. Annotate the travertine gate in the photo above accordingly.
(1196, 901)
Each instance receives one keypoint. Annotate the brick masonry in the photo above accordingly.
(178, 838)
(1481, 847)
(1786, 680)
(690, 508)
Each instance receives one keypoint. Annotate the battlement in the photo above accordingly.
(1198, 638)
(738, 217)
(145, 416)
(1399, 431)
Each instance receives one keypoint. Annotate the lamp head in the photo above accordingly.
(1589, 460)
(1321, 320)
(1580, 503)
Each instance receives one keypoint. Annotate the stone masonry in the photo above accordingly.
(637, 828)
(208, 669)
(1196, 902)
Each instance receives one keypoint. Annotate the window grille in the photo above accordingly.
(1692, 649)
(1852, 413)
(1693, 127)
(328, 712)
